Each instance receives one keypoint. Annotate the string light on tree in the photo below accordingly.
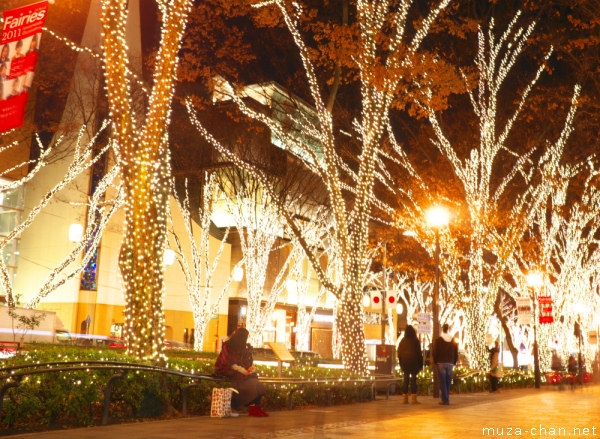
(140, 142)
(350, 217)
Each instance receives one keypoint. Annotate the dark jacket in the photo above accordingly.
(409, 355)
(445, 350)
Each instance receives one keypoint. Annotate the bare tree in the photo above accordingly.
(351, 214)
(198, 264)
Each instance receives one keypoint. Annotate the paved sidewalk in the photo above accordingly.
(536, 413)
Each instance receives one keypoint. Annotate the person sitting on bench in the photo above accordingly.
(235, 362)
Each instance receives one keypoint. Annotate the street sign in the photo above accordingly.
(424, 323)
(424, 317)
(424, 328)
(524, 314)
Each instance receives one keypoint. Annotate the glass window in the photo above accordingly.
(11, 209)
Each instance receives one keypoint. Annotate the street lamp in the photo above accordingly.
(536, 281)
(437, 217)
(579, 309)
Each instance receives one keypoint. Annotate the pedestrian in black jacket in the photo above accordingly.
(445, 356)
(411, 362)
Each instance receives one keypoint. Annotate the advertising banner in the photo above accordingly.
(19, 45)
(545, 303)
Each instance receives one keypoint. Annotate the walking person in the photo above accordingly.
(411, 362)
(494, 372)
(236, 363)
(445, 356)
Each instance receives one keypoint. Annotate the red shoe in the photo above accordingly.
(260, 411)
(253, 411)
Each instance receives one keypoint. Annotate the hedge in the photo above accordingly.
(75, 398)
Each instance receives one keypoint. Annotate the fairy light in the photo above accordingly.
(495, 59)
(350, 220)
(198, 268)
(142, 152)
(83, 159)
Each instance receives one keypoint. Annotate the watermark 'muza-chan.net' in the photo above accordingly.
(541, 430)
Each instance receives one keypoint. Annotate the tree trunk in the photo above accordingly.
(509, 341)
(141, 261)
(351, 329)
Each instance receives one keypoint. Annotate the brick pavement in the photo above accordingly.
(466, 417)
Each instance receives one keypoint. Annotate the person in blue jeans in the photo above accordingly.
(445, 356)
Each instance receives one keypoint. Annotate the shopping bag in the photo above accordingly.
(220, 406)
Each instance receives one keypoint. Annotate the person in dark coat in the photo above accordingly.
(235, 362)
(411, 362)
(445, 356)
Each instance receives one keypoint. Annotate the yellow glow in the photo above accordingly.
(535, 279)
(438, 216)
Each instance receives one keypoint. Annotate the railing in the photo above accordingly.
(12, 376)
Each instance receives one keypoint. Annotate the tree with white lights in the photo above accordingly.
(566, 251)
(349, 188)
(100, 210)
(260, 229)
(484, 192)
(196, 259)
(140, 144)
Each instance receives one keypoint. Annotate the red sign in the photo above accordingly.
(545, 304)
(19, 45)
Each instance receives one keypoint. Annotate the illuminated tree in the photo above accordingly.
(565, 234)
(259, 226)
(140, 144)
(300, 279)
(84, 157)
(380, 79)
(197, 265)
(484, 192)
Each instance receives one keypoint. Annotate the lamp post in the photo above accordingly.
(535, 280)
(437, 217)
(579, 308)
(384, 294)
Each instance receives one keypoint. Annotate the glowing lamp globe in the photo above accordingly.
(366, 301)
(75, 232)
(535, 279)
(237, 274)
(438, 216)
(399, 308)
(169, 257)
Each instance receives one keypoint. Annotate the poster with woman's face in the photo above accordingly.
(19, 46)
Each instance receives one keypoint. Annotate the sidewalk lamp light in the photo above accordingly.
(437, 217)
(535, 280)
